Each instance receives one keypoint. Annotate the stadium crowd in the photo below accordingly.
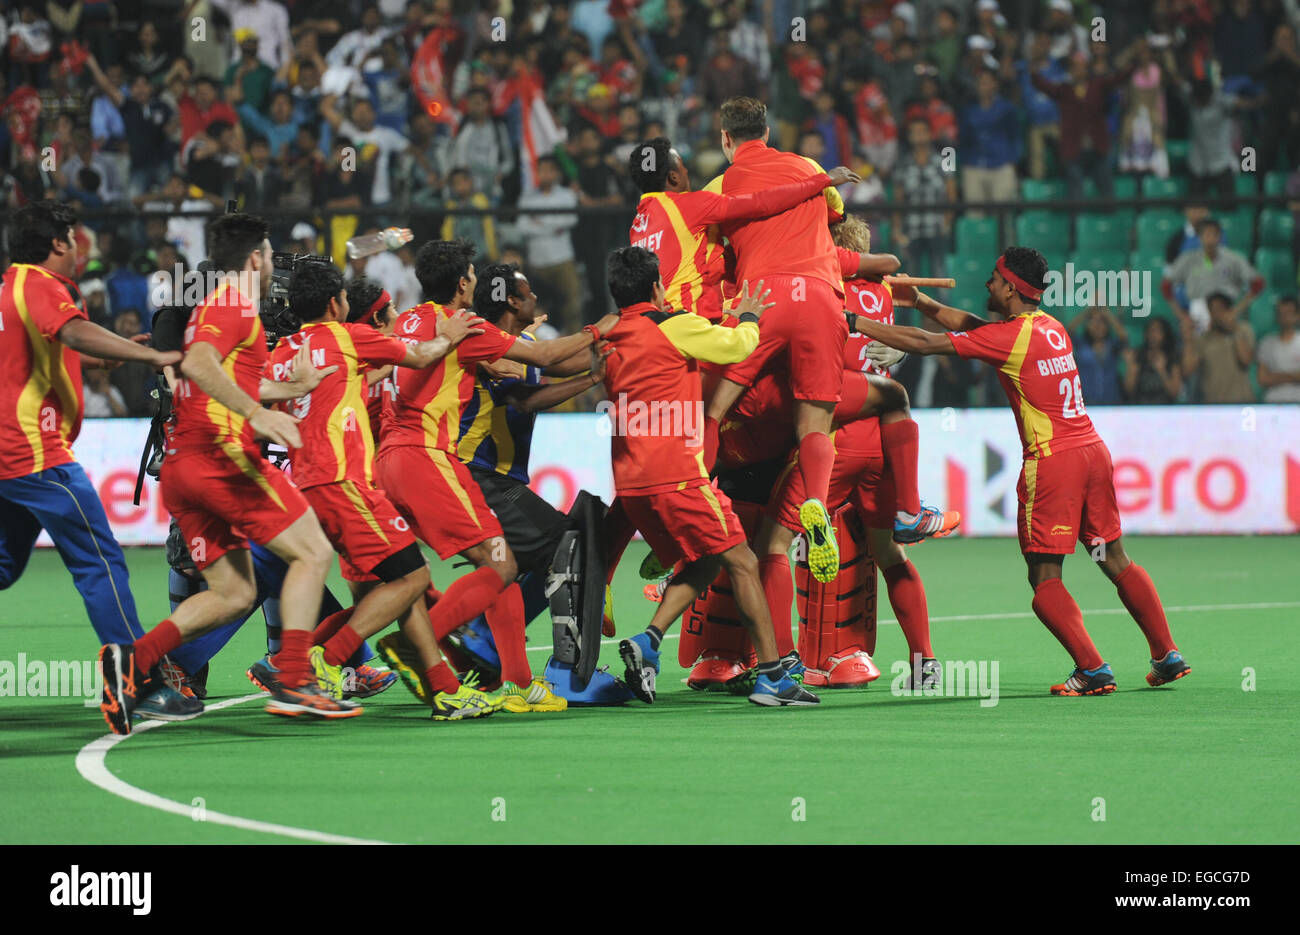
(148, 114)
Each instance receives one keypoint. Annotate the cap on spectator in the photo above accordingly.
(980, 43)
(907, 13)
(243, 34)
(1062, 6)
(92, 286)
(302, 231)
(984, 5)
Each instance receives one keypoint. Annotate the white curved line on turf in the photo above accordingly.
(1029, 615)
(91, 765)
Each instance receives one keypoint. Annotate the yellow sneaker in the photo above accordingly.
(536, 697)
(823, 550)
(466, 703)
(402, 658)
(328, 677)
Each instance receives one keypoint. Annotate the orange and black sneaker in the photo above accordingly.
(1098, 681)
(1169, 669)
(309, 699)
(122, 685)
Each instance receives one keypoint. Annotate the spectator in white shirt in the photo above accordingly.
(1279, 356)
(269, 20)
(376, 145)
(103, 399)
(482, 145)
(551, 267)
(354, 47)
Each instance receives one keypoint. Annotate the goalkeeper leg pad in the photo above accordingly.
(837, 619)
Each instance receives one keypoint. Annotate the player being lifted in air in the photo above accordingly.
(1067, 488)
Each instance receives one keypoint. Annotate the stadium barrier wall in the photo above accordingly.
(1178, 469)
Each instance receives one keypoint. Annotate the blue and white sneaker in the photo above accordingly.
(165, 703)
(1098, 681)
(1169, 669)
(642, 664)
(794, 666)
(929, 522)
(785, 692)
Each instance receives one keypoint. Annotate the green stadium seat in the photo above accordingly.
(1047, 231)
(1275, 183)
(1262, 313)
(1153, 187)
(1276, 228)
(1155, 262)
(1277, 268)
(1238, 228)
(967, 267)
(1101, 232)
(1155, 227)
(1042, 189)
(1099, 259)
(1177, 151)
(977, 236)
(1126, 187)
(1244, 183)
(880, 233)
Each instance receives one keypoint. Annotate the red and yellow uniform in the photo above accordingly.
(793, 254)
(653, 382)
(417, 464)
(215, 481)
(333, 467)
(873, 300)
(40, 381)
(1066, 488)
(674, 225)
(859, 476)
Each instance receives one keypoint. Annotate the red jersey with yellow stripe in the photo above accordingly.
(1035, 361)
(795, 242)
(425, 409)
(337, 441)
(228, 321)
(40, 378)
(874, 300)
(674, 225)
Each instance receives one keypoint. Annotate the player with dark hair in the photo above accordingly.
(419, 469)
(41, 486)
(380, 558)
(369, 303)
(660, 476)
(215, 481)
(1067, 487)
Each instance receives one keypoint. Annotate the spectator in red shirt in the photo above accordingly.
(1085, 138)
(200, 110)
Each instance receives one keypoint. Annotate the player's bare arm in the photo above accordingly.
(875, 265)
(549, 353)
(89, 338)
(912, 340)
(539, 398)
(202, 364)
(952, 319)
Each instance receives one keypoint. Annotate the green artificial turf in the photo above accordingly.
(1200, 761)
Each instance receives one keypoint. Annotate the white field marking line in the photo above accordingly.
(1029, 615)
(91, 765)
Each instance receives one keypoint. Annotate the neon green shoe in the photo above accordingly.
(496, 700)
(823, 550)
(465, 703)
(328, 677)
(538, 696)
(402, 657)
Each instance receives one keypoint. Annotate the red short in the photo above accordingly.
(224, 496)
(361, 523)
(687, 523)
(859, 475)
(436, 493)
(1066, 497)
(807, 329)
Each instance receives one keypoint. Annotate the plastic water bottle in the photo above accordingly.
(370, 244)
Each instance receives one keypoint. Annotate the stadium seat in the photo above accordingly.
(1262, 313)
(1276, 228)
(1275, 265)
(1042, 189)
(1275, 183)
(1177, 151)
(1048, 231)
(1155, 262)
(1155, 227)
(1099, 259)
(1244, 183)
(977, 236)
(1126, 187)
(1153, 187)
(880, 231)
(1238, 229)
(1100, 232)
(968, 267)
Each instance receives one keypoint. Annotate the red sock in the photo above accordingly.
(901, 446)
(1138, 592)
(1063, 618)
(291, 660)
(816, 459)
(331, 625)
(778, 588)
(618, 533)
(711, 429)
(151, 647)
(342, 645)
(907, 598)
(505, 618)
(468, 596)
(442, 679)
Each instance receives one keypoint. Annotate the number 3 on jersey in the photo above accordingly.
(1072, 406)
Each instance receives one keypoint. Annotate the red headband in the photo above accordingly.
(384, 299)
(1022, 287)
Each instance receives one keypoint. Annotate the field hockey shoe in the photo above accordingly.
(1169, 669)
(782, 692)
(1098, 681)
(930, 522)
(642, 666)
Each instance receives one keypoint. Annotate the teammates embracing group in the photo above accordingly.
(755, 302)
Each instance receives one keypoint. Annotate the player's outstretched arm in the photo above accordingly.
(539, 398)
(952, 319)
(202, 366)
(781, 198)
(871, 265)
(912, 340)
(546, 354)
(89, 338)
